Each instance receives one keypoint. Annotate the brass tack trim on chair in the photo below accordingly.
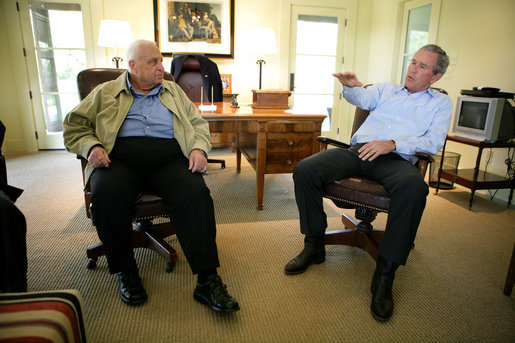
(356, 203)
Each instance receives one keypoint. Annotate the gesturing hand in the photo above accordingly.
(348, 79)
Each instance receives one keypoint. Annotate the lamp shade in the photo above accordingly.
(263, 40)
(114, 34)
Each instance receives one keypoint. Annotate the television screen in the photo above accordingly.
(473, 114)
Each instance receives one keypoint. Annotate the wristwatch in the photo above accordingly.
(202, 151)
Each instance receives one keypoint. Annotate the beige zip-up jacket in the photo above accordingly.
(99, 116)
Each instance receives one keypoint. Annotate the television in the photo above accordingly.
(484, 119)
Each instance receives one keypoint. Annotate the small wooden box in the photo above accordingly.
(270, 99)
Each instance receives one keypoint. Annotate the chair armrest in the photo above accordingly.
(329, 141)
(424, 156)
(423, 161)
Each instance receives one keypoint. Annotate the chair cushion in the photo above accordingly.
(50, 316)
(351, 192)
(149, 205)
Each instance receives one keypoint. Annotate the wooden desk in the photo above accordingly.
(272, 140)
(475, 178)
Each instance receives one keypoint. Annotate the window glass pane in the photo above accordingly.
(316, 35)
(418, 28)
(417, 34)
(57, 25)
(61, 55)
(314, 74)
(405, 64)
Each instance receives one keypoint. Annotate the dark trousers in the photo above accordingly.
(159, 165)
(13, 247)
(400, 178)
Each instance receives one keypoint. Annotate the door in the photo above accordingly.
(55, 44)
(316, 52)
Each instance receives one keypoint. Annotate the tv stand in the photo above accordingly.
(475, 178)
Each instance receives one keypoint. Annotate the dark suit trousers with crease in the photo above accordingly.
(159, 165)
(401, 179)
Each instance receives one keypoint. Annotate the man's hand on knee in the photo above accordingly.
(373, 149)
(198, 162)
(98, 157)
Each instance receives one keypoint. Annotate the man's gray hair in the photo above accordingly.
(443, 60)
(133, 49)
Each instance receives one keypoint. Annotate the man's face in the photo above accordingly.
(420, 72)
(147, 69)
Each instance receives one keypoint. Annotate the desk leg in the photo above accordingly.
(238, 160)
(261, 163)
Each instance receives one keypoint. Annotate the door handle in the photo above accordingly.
(292, 82)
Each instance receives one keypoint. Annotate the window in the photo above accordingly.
(61, 54)
(420, 22)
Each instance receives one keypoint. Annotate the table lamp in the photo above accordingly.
(263, 39)
(115, 34)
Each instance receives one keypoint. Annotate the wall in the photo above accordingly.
(477, 34)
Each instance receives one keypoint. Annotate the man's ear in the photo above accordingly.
(131, 64)
(436, 77)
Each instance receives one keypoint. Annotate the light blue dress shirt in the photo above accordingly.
(147, 116)
(417, 122)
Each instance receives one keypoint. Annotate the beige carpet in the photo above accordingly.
(450, 291)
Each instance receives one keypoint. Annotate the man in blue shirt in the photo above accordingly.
(403, 119)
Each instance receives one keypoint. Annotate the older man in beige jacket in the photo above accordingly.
(142, 131)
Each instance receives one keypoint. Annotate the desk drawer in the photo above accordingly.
(284, 150)
(291, 126)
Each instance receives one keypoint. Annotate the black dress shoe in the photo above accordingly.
(131, 289)
(312, 254)
(382, 299)
(214, 294)
(381, 288)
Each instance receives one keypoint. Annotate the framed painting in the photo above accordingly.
(195, 26)
(226, 83)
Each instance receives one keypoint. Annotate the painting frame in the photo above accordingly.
(175, 32)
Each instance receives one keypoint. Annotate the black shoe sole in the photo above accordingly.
(202, 299)
(379, 318)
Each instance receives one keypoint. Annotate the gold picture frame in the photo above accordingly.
(195, 26)
(226, 83)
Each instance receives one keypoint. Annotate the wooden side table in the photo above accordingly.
(475, 179)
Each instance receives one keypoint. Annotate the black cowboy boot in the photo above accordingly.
(382, 282)
(313, 253)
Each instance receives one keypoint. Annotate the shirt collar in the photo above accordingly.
(401, 88)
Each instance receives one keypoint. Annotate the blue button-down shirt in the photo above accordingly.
(417, 122)
(147, 116)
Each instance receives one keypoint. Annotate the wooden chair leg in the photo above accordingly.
(354, 238)
(144, 235)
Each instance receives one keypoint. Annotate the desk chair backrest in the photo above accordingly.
(88, 79)
(193, 78)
